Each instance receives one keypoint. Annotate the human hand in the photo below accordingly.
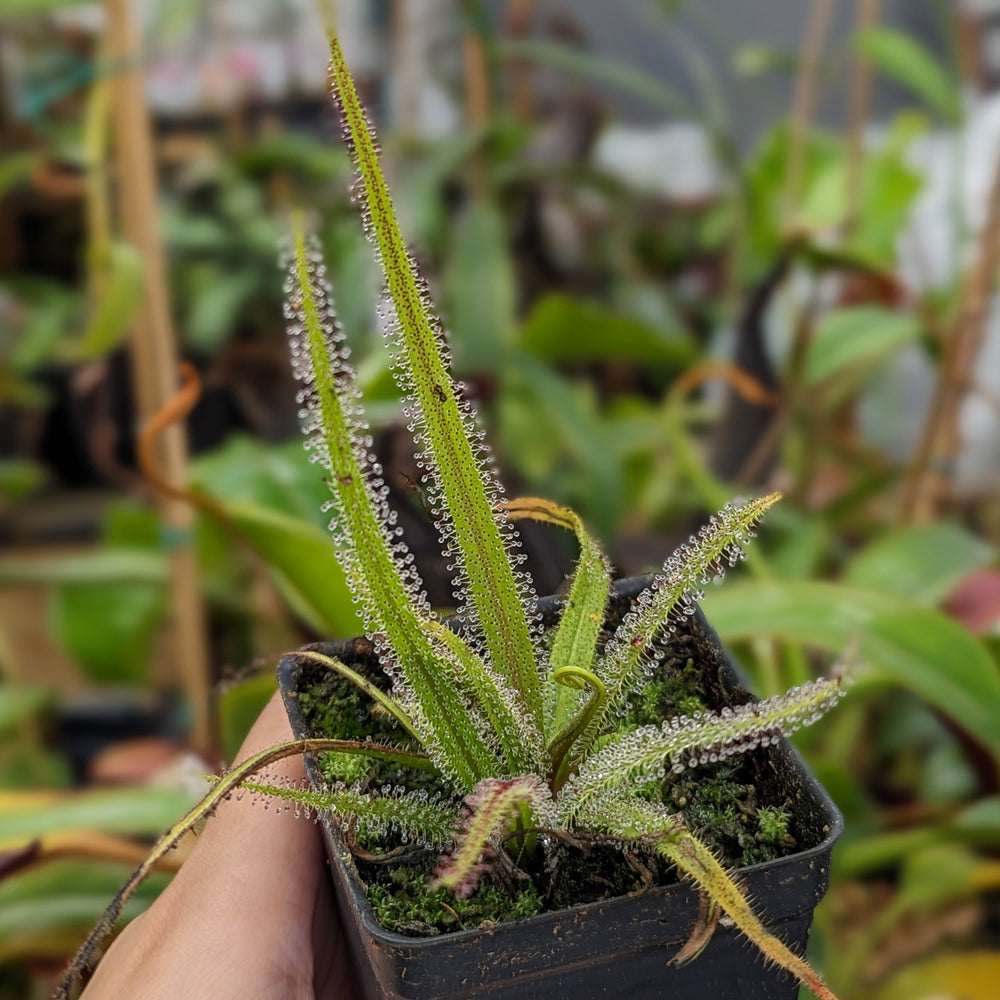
(249, 915)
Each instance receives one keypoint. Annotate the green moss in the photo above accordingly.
(722, 806)
(403, 901)
(772, 824)
(678, 692)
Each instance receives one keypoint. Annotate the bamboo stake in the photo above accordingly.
(804, 105)
(154, 356)
(518, 17)
(477, 107)
(859, 104)
(928, 479)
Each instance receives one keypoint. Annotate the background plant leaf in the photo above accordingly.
(916, 647)
(561, 328)
(480, 291)
(46, 911)
(922, 563)
(303, 563)
(907, 62)
(857, 336)
(133, 811)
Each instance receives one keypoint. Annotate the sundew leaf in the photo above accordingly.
(493, 807)
(417, 814)
(917, 647)
(495, 597)
(631, 759)
(631, 818)
(85, 959)
(565, 739)
(575, 640)
(378, 567)
(675, 587)
(862, 335)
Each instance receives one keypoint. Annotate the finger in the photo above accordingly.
(237, 919)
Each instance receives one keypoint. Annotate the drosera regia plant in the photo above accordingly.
(520, 727)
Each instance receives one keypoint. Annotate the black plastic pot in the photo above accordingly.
(620, 947)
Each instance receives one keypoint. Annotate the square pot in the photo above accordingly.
(620, 947)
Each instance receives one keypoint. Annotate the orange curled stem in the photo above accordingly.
(176, 409)
(749, 388)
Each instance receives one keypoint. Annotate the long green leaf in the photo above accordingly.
(113, 313)
(636, 757)
(103, 566)
(921, 649)
(480, 290)
(418, 816)
(304, 565)
(374, 562)
(601, 69)
(44, 911)
(922, 563)
(560, 328)
(857, 336)
(909, 63)
(138, 811)
(639, 820)
(108, 628)
(575, 640)
(719, 542)
(446, 428)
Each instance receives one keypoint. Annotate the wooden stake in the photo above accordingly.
(154, 355)
(928, 480)
(858, 107)
(804, 106)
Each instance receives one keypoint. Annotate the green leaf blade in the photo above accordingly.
(560, 328)
(916, 647)
(496, 596)
(377, 566)
(911, 65)
(857, 336)
(719, 542)
(922, 563)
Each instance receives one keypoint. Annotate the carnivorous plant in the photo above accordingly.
(522, 728)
